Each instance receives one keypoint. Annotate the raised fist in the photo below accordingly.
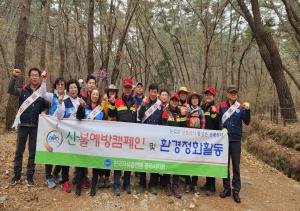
(145, 100)
(60, 99)
(16, 72)
(82, 102)
(112, 99)
(246, 105)
(45, 74)
(183, 110)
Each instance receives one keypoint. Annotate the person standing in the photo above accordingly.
(31, 104)
(123, 109)
(52, 98)
(196, 119)
(92, 111)
(172, 116)
(67, 108)
(233, 115)
(150, 112)
(212, 122)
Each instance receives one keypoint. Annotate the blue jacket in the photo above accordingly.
(69, 108)
(138, 99)
(54, 105)
(155, 118)
(234, 124)
(30, 116)
(84, 112)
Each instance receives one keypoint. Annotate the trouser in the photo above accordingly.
(153, 179)
(193, 181)
(235, 155)
(23, 133)
(167, 179)
(57, 170)
(98, 173)
(79, 176)
(104, 172)
(210, 183)
(64, 174)
(48, 171)
(117, 178)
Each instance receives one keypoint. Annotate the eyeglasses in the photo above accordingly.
(61, 84)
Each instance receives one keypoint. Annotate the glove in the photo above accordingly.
(246, 105)
(224, 130)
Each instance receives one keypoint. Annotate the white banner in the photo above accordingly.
(132, 146)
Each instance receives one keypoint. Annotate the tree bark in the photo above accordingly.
(45, 18)
(60, 41)
(116, 69)
(90, 45)
(20, 52)
(270, 54)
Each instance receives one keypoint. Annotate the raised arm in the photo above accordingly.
(12, 88)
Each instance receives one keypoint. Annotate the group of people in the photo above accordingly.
(72, 99)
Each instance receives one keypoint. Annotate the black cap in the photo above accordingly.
(139, 83)
(232, 88)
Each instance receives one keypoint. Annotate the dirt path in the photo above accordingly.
(263, 188)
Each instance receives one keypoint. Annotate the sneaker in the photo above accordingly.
(106, 182)
(168, 190)
(128, 189)
(153, 190)
(101, 182)
(117, 191)
(51, 183)
(29, 183)
(14, 181)
(176, 192)
(67, 187)
(85, 183)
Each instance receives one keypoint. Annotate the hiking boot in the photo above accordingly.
(85, 184)
(188, 188)
(15, 180)
(168, 190)
(51, 183)
(210, 191)
(29, 182)
(78, 190)
(93, 191)
(128, 189)
(153, 190)
(225, 193)
(236, 197)
(176, 192)
(196, 189)
(67, 187)
(117, 191)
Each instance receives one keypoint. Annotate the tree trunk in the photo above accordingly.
(270, 54)
(20, 49)
(60, 42)
(90, 46)
(45, 18)
(116, 70)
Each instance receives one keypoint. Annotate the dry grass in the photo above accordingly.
(282, 158)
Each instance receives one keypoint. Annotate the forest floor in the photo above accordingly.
(263, 188)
